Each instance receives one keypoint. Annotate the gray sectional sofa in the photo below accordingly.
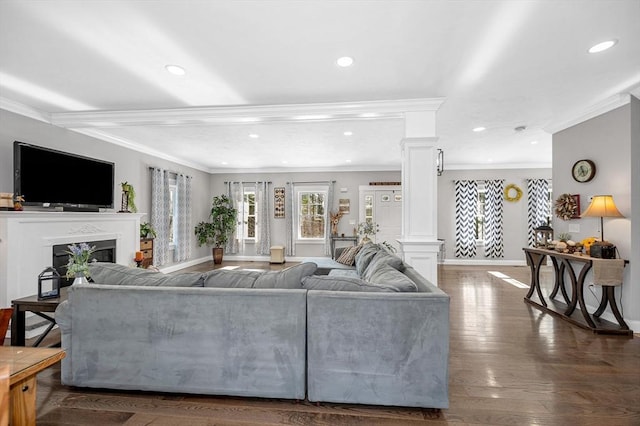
(287, 334)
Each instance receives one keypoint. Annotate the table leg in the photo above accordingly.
(580, 294)
(18, 327)
(23, 402)
(535, 262)
(609, 296)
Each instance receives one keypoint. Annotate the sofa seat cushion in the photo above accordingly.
(287, 278)
(326, 264)
(116, 274)
(334, 283)
(344, 273)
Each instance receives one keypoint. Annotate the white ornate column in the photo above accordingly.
(419, 244)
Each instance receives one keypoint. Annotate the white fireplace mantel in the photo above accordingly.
(27, 239)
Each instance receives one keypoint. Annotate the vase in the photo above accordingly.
(80, 279)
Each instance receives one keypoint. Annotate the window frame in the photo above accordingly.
(299, 192)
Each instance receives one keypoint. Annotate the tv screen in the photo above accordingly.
(47, 177)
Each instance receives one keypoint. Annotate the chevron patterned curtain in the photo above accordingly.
(466, 202)
(538, 207)
(493, 238)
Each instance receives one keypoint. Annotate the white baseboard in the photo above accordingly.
(484, 262)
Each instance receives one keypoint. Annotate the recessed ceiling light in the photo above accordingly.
(345, 61)
(348, 133)
(603, 46)
(224, 163)
(368, 114)
(175, 69)
(284, 161)
(254, 135)
(534, 142)
(479, 129)
(348, 161)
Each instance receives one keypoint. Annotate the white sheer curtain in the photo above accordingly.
(263, 236)
(182, 218)
(235, 194)
(160, 210)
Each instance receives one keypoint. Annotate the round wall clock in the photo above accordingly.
(583, 170)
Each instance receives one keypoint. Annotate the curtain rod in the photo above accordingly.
(250, 181)
(316, 181)
(170, 171)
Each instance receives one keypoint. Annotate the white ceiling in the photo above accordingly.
(98, 67)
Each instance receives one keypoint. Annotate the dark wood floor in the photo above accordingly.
(510, 364)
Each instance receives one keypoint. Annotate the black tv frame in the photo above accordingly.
(82, 167)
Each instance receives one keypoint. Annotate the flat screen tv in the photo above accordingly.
(46, 177)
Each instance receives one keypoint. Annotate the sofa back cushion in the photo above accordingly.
(389, 276)
(364, 256)
(382, 257)
(115, 274)
(287, 278)
(337, 283)
(223, 278)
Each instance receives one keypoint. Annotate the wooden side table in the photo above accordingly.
(146, 247)
(38, 307)
(24, 364)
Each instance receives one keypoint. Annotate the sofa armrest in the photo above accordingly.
(63, 319)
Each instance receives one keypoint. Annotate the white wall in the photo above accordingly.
(610, 140)
(514, 213)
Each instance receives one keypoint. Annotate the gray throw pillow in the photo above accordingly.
(382, 257)
(287, 278)
(115, 274)
(388, 276)
(325, 282)
(222, 278)
(364, 257)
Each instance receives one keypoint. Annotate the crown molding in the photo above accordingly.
(600, 108)
(22, 109)
(246, 114)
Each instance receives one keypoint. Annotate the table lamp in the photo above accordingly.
(602, 206)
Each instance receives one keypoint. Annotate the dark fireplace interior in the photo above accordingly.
(105, 252)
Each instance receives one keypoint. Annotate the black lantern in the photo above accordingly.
(49, 284)
(543, 236)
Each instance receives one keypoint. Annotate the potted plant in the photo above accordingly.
(216, 232)
(128, 198)
(146, 230)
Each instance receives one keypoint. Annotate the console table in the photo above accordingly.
(335, 238)
(563, 263)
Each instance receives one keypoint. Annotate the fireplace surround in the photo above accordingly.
(28, 238)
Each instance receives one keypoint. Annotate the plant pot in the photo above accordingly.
(217, 255)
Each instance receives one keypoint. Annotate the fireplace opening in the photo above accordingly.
(105, 252)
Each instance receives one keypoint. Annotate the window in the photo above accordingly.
(311, 214)
(248, 212)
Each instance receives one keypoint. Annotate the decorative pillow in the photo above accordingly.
(325, 282)
(382, 257)
(364, 256)
(115, 274)
(348, 256)
(388, 276)
(223, 278)
(287, 278)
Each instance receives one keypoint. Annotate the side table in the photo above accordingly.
(32, 304)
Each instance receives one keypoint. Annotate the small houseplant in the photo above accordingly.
(223, 217)
(128, 198)
(146, 230)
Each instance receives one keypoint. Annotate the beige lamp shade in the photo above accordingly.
(602, 206)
